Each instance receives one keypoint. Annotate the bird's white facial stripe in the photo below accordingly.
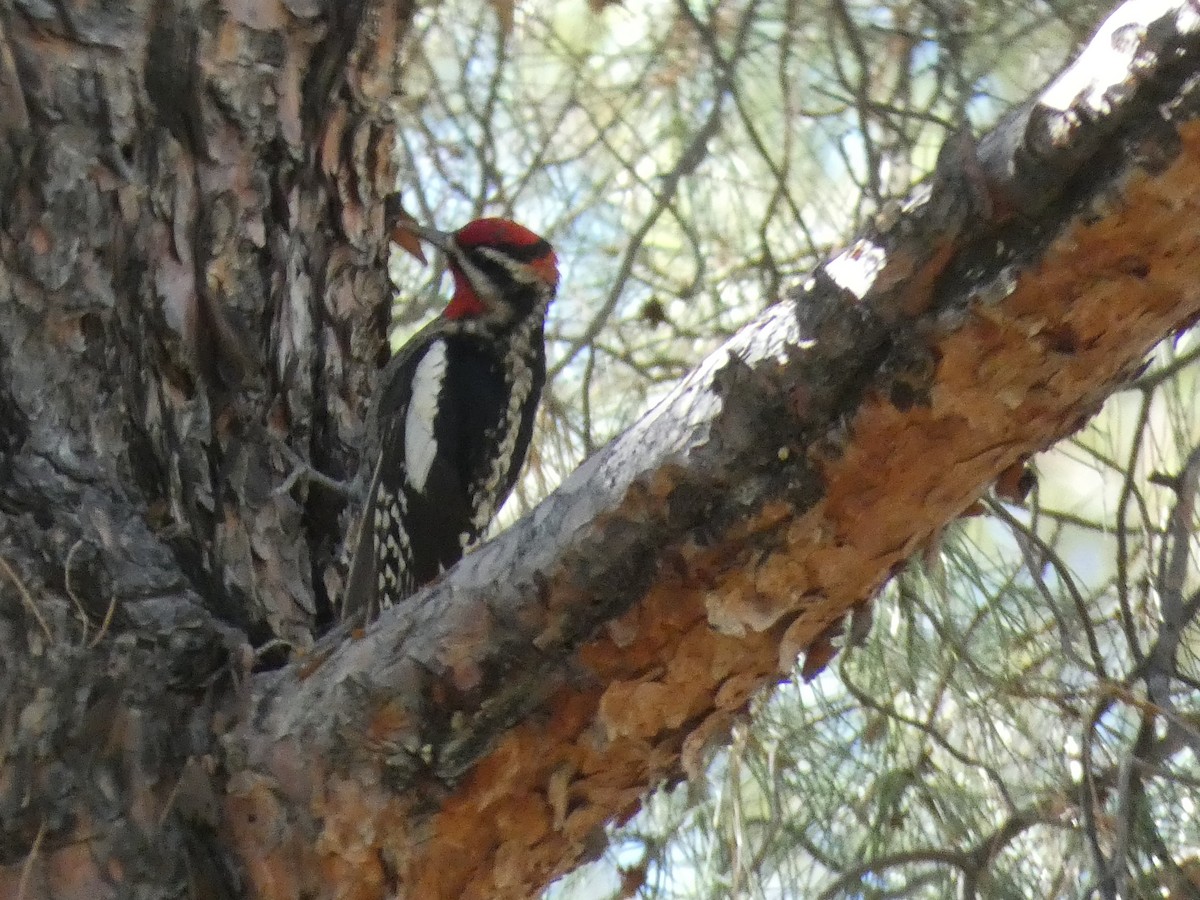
(420, 444)
(485, 289)
(518, 271)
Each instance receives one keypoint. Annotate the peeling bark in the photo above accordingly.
(191, 275)
(191, 267)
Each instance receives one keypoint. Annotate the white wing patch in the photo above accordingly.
(420, 445)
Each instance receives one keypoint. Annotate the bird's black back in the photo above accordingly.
(432, 517)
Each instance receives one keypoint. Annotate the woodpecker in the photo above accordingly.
(453, 413)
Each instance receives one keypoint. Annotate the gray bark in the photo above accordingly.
(192, 273)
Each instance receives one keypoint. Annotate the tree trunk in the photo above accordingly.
(192, 280)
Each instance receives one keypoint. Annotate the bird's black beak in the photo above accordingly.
(407, 234)
(439, 239)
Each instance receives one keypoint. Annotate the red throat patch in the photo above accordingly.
(465, 304)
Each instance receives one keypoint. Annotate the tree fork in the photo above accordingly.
(605, 641)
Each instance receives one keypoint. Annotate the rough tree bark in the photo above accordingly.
(191, 278)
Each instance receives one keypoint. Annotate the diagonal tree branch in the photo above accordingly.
(475, 741)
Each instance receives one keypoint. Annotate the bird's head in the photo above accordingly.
(501, 270)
